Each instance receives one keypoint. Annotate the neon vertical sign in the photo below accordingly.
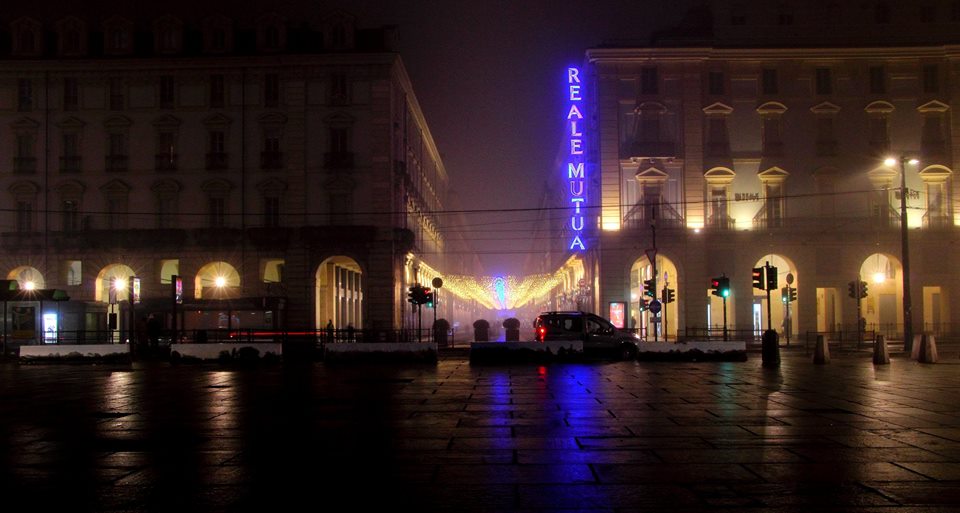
(576, 163)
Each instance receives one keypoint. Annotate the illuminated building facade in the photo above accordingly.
(283, 169)
(757, 132)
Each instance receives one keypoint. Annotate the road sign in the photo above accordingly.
(437, 282)
(651, 254)
(655, 306)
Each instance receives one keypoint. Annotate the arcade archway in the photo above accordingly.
(28, 278)
(647, 324)
(882, 308)
(781, 314)
(216, 280)
(339, 291)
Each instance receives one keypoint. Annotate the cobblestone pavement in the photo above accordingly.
(596, 436)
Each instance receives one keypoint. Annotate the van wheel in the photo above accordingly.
(627, 352)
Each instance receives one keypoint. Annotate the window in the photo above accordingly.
(936, 204)
(717, 138)
(716, 82)
(770, 84)
(785, 17)
(71, 94)
(879, 136)
(737, 16)
(25, 161)
(216, 212)
(824, 82)
(271, 38)
(118, 40)
(718, 206)
(826, 140)
(955, 11)
(71, 42)
(24, 216)
(271, 157)
(168, 39)
(878, 80)
(117, 97)
(166, 150)
(116, 212)
(271, 90)
(167, 96)
(931, 78)
(338, 88)
(271, 212)
(24, 94)
(74, 273)
(218, 40)
(217, 91)
(217, 152)
(69, 212)
(117, 152)
(928, 13)
(772, 143)
(70, 157)
(648, 80)
(166, 210)
(339, 142)
(773, 205)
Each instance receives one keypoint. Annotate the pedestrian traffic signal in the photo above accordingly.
(650, 287)
(643, 305)
(758, 281)
(772, 278)
(428, 299)
(863, 289)
(720, 286)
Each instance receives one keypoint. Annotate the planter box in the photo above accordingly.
(75, 352)
(380, 351)
(512, 351)
(226, 352)
(734, 351)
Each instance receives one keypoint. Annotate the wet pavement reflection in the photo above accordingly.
(593, 436)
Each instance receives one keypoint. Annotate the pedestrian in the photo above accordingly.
(153, 331)
(349, 332)
(329, 334)
(141, 329)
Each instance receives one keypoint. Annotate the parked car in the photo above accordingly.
(597, 334)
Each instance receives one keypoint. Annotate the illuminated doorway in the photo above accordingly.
(339, 290)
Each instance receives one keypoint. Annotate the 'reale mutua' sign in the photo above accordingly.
(575, 164)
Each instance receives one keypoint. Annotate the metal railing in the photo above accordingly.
(843, 339)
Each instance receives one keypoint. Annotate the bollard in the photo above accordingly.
(915, 349)
(770, 351)
(880, 355)
(822, 353)
(928, 349)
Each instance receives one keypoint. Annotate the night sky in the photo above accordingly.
(489, 77)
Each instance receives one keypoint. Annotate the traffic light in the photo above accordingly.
(650, 287)
(412, 294)
(785, 294)
(428, 298)
(771, 278)
(644, 305)
(668, 295)
(758, 282)
(852, 289)
(863, 289)
(720, 286)
(793, 294)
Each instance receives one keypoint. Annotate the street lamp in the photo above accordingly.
(905, 249)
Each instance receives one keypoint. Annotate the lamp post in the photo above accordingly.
(905, 250)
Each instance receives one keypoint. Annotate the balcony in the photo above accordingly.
(642, 215)
(723, 222)
(166, 162)
(772, 149)
(217, 160)
(117, 162)
(219, 237)
(27, 241)
(269, 237)
(271, 160)
(715, 149)
(937, 220)
(25, 165)
(338, 160)
(71, 164)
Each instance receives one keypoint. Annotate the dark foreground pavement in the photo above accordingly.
(592, 437)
